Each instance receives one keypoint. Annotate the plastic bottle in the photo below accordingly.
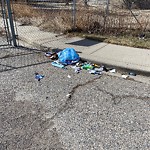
(87, 66)
(57, 65)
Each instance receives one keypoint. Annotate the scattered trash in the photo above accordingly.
(68, 95)
(48, 54)
(92, 72)
(95, 72)
(142, 36)
(112, 70)
(125, 76)
(77, 70)
(68, 56)
(93, 68)
(57, 64)
(95, 65)
(105, 69)
(38, 76)
(87, 67)
(54, 56)
(132, 73)
(99, 69)
(69, 76)
(79, 64)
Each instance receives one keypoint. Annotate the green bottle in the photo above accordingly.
(87, 66)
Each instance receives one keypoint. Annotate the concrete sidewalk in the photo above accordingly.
(99, 52)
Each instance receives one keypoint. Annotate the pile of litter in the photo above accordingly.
(69, 56)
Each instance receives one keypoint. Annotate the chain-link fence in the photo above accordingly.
(111, 17)
(12, 57)
(4, 24)
(7, 26)
(48, 15)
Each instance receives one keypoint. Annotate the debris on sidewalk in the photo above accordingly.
(125, 76)
(48, 54)
(112, 71)
(76, 69)
(69, 56)
(57, 64)
(141, 36)
(68, 95)
(69, 76)
(132, 73)
(104, 68)
(65, 57)
(87, 67)
(99, 69)
(92, 68)
(95, 72)
(38, 76)
(96, 66)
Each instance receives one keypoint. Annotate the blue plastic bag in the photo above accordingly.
(68, 56)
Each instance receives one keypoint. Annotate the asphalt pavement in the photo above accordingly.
(68, 111)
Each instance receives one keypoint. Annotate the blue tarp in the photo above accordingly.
(68, 56)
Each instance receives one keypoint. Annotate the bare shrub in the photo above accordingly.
(23, 10)
(94, 21)
(117, 22)
(57, 21)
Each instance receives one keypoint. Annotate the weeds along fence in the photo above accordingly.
(111, 17)
(91, 16)
(48, 15)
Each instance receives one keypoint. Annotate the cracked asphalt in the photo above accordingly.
(84, 112)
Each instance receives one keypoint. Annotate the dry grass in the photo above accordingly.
(23, 10)
(120, 40)
(58, 21)
(90, 19)
(48, 20)
(117, 22)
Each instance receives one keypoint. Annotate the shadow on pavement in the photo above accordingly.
(85, 42)
(19, 57)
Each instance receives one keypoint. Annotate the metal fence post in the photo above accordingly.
(74, 15)
(11, 23)
(107, 7)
